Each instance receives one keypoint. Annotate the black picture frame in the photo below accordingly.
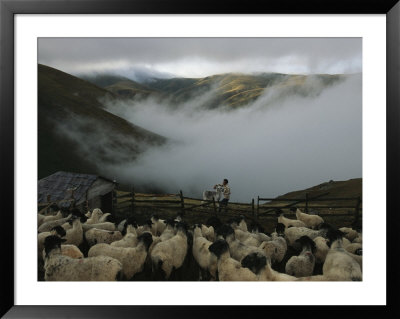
(8, 9)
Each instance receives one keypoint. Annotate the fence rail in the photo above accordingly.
(127, 203)
(253, 209)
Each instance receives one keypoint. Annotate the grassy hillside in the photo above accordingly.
(236, 90)
(76, 133)
(121, 86)
(231, 89)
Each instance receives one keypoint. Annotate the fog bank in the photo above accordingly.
(284, 141)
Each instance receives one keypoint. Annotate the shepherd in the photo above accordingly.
(226, 192)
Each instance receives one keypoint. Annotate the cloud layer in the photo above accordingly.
(280, 143)
(199, 57)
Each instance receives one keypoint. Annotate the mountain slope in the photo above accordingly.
(76, 133)
(120, 85)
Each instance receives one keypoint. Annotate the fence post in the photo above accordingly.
(306, 208)
(357, 210)
(215, 206)
(182, 201)
(252, 206)
(133, 202)
(258, 206)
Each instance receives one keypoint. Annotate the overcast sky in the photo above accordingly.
(199, 57)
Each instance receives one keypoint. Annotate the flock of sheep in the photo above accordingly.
(92, 247)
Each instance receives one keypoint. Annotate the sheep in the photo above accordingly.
(63, 268)
(261, 266)
(45, 227)
(242, 224)
(40, 219)
(52, 217)
(311, 221)
(147, 227)
(358, 239)
(350, 233)
(237, 249)
(158, 225)
(321, 249)
(170, 254)
(169, 231)
(96, 236)
(288, 222)
(95, 216)
(206, 260)
(339, 264)
(104, 218)
(57, 230)
(302, 265)
(132, 259)
(74, 236)
(208, 232)
(68, 250)
(105, 226)
(88, 214)
(129, 240)
(277, 247)
(354, 248)
(229, 269)
(294, 233)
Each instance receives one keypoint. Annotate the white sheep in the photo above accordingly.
(63, 268)
(52, 217)
(242, 224)
(74, 236)
(169, 254)
(105, 226)
(294, 233)
(146, 227)
(237, 249)
(275, 248)
(358, 239)
(303, 264)
(354, 248)
(158, 225)
(229, 269)
(45, 227)
(68, 250)
(129, 240)
(132, 259)
(95, 216)
(261, 266)
(169, 231)
(206, 260)
(288, 222)
(57, 231)
(311, 221)
(321, 249)
(100, 236)
(350, 233)
(339, 264)
(208, 232)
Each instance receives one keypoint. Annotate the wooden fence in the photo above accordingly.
(126, 204)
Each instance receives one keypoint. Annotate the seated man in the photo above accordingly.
(226, 193)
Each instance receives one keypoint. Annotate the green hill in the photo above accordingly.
(236, 90)
(76, 133)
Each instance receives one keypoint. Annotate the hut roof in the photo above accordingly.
(59, 185)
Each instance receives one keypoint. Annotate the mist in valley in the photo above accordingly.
(283, 141)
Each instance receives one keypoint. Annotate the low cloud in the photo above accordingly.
(286, 140)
